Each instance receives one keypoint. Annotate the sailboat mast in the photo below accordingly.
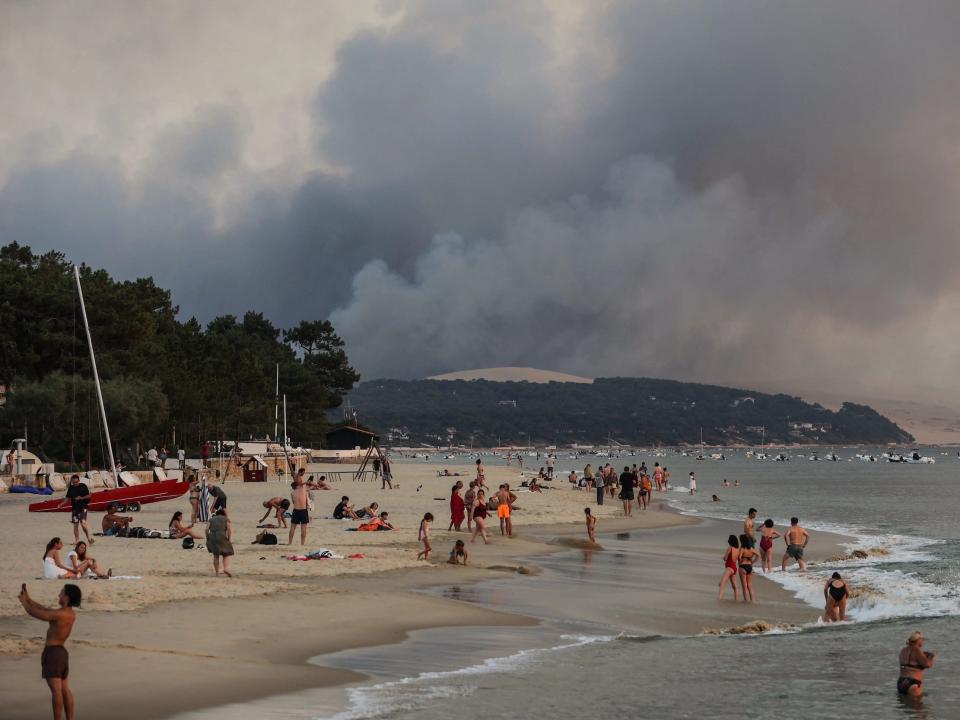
(276, 404)
(285, 455)
(96, 378)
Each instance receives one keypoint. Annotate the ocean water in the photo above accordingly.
(591, 657)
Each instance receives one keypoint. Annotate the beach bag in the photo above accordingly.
(187, 543)
(265, 538)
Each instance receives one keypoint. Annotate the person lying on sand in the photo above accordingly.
(114, 524)
(370, 511)
(378, 523)
(278, 505)
(178, 530)
(458, 553)
(83, 565)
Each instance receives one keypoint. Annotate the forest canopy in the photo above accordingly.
(160, 375)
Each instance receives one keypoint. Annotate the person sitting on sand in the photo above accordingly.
(178, 530)
(53, 568)
(835, 595)
(344, 510)
(83, 565)
(534, 486)
(913, 662)
(114, 524)
(378, 523)
(458, 553)
(320, 484)
(278, 505)
(730, 558)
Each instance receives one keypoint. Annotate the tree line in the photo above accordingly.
(165, 381)
(638, 411)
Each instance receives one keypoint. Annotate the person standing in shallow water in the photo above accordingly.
(55, 660)
(626, 491)
(767, 536)
(796, 538)
(913, 662)
(693, 483)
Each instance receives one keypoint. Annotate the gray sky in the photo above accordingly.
(742, 192)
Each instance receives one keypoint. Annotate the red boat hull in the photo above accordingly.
(100, 500)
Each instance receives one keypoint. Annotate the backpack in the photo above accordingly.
(265, 538)
(187, 543)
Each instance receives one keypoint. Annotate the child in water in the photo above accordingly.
(424, 536)
(591, 525)
(458, 553)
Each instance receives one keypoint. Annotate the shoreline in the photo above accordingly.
(198, 664)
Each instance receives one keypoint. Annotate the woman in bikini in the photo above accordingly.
(767, 536)
(85, 566)
(745, 563)
(835, 595)
(913, 662)
(730, 558)
(469, 502)
(179, 531)
(53, 568)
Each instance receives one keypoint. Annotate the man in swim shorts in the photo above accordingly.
(300, 515)
(55, 661)
(796, 538)
(504, 498)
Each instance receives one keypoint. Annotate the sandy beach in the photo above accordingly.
(199, 641)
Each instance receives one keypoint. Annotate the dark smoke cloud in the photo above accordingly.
(749, 192)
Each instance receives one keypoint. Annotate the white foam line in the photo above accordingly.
(364, 702)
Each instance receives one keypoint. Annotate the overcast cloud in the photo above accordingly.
(743, 192)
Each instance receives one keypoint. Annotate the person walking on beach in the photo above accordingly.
(300, 515)
(376, 470)
(693, 483)
(914, 660)
(748, 530)
(219, 534)
(796, 538)
(646, 490)
(480, 518)
(423, 535)
(591, 525)
(469, 501)
(386, 476)
(745, 566)
(666, 477)
(767, 536)
(79, 495)
(626, 491)
(658, 476)
(480, 474)
(181, 458)
(835, 595)
(55, 660)
(551, 463)
(205, 454)
(730, 558)
(457, 507)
